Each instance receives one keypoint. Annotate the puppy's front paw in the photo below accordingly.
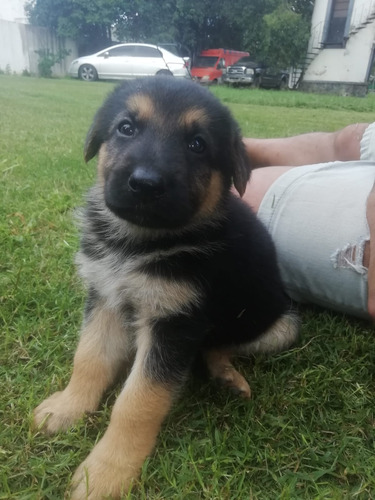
(58, 412)
(104, 474)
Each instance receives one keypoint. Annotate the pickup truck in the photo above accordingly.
(251, 73)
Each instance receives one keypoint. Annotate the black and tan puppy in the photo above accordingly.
(176, 267)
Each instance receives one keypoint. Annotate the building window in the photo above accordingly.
(337, 23)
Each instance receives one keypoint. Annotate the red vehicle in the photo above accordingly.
(208, 66)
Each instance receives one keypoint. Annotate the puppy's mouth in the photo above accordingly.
(151, 214)
(149, 208)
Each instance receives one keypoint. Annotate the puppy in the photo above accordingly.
(177, 267)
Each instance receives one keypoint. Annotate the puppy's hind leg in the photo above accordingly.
(221, 370)
(101, 352)
(280, 336)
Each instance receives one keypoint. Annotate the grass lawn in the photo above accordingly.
(308, 431)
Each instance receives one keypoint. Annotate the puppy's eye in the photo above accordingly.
(197, 144)
(127, 128)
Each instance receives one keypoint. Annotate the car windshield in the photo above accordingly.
(244, 60)
(205, 62)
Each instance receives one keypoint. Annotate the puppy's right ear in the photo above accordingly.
(94, 140)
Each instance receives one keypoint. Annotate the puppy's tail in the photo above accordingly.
(279, 337)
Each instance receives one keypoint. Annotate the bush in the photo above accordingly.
(48, 59)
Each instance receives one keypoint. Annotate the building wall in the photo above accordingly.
(19, 42)
(13, 10)
(349, 64)
(342, 70)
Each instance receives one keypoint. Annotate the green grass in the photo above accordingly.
(307, 433)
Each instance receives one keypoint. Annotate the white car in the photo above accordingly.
(129, 60)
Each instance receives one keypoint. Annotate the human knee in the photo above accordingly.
(347, 142)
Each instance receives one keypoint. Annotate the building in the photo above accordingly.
(341, 47)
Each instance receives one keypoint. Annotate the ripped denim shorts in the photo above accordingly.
(316, 215)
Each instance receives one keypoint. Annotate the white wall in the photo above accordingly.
(349, 64)
(13, 10)
(362, 9)
(18, 43)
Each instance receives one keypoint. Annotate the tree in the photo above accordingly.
(87, 21)
(286, 37)
(303, 7)
(268, 29)
(197, 24)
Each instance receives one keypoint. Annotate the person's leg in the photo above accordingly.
(266, 154)
(260, 181)
(352, 142)
(306, 149)
(322, 260)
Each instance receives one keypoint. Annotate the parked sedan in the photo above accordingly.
(129, 60)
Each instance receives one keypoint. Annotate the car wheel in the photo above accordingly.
(257, 82)
(165, 72)
(87, 73)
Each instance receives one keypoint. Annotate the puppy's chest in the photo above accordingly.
(139, 281)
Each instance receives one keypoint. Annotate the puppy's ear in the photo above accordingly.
(94, 140)
(100, 128)
(241, 165)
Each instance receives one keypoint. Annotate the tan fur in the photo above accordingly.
(142, 106)
(96, 365)
(103, 161)
(213, 194)
(131, 435)
(176, 296)
(193, 117)
(221, 369)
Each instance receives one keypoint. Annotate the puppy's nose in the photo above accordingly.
(145, 182)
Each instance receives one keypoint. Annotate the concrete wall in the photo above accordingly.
(349, 64)
(344, 70)
(19, 42)
(13, 10)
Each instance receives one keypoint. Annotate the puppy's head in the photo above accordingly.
(168, 152)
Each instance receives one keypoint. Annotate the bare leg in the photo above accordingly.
(307, 149)
(276, 156)
(101, 353)
(260, 181)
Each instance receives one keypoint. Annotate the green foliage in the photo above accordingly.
(87, 21)
(286, 37)
(197, 24)
(47, 59)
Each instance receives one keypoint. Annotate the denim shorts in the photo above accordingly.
(316, 215)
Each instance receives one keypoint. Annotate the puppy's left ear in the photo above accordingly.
(241, 165)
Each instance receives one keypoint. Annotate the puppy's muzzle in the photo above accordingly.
(146, 183)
